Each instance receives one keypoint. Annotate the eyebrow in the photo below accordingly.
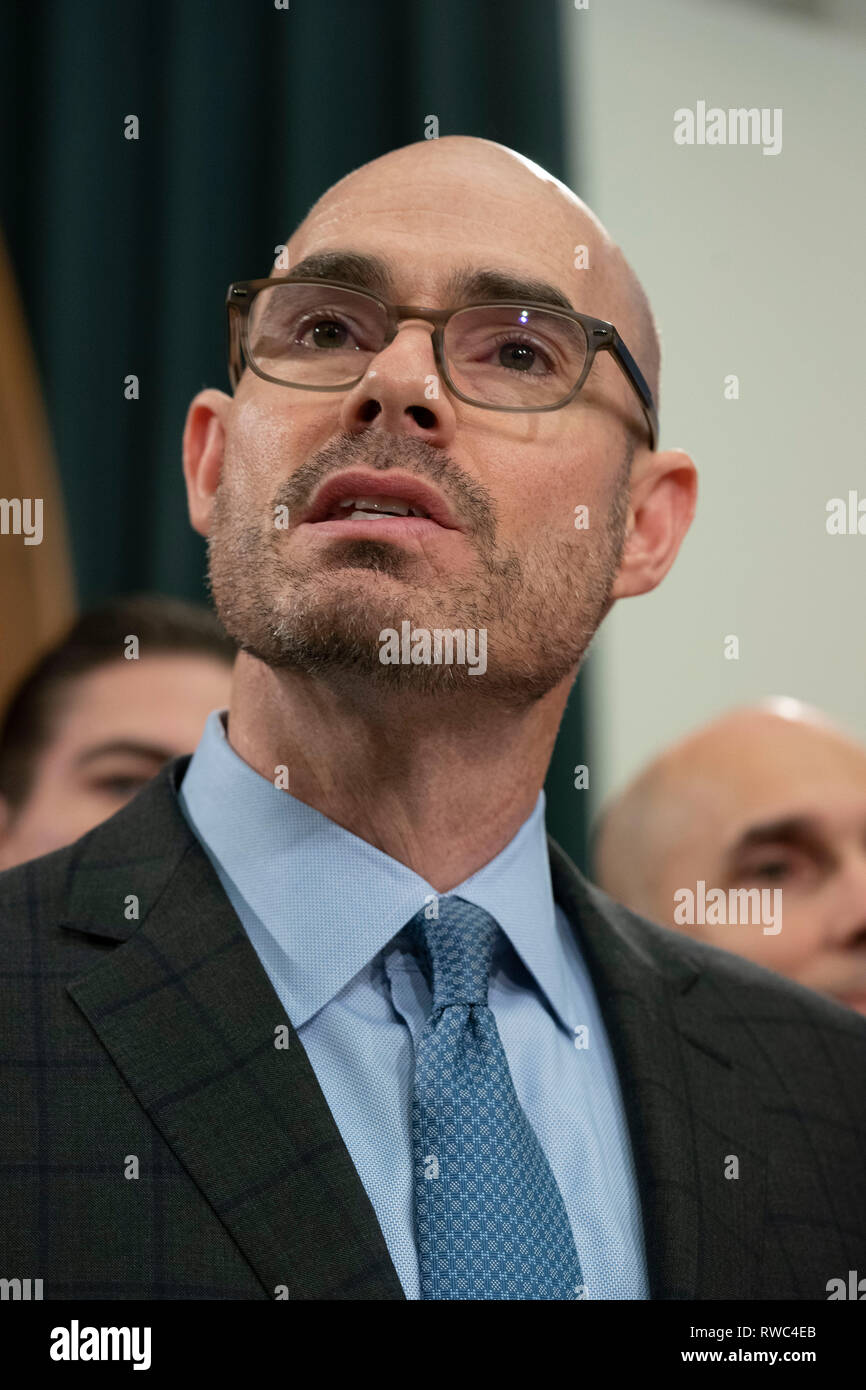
(127, 747)
(361, 271)
(787, 830)
(465, 285)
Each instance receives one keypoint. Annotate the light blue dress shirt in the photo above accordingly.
(322, 909)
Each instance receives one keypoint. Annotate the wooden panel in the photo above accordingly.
(37, 592)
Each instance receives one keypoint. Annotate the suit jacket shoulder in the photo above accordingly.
(166, 1134)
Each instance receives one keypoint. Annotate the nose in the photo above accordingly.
(402, 392)
(848, 928)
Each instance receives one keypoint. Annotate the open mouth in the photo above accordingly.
(354, 496)
(369, 508)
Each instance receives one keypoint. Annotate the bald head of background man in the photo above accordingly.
(770, 797)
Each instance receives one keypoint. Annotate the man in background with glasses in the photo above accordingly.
(373, 1036)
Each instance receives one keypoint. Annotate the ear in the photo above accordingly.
(664, 491)
(203, 448)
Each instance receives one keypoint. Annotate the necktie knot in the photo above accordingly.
(455, 950)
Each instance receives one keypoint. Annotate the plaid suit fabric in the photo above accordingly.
(730, 1061)
(156, 1039)
(139, 1034)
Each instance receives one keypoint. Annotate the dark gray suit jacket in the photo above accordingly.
(148, 1046)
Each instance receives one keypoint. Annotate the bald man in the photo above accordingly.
(770, 799)
(352, 1027)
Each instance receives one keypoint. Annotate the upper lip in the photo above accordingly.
(357, 482)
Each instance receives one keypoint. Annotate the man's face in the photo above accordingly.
(116, 727)
(315, 596)
(779, 806)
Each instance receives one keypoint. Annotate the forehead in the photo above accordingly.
(744, 776)
(155, 688)
(425, 216)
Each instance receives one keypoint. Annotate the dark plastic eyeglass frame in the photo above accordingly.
(600, 337)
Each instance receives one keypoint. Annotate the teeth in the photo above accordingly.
(368, 507)
(378, 504)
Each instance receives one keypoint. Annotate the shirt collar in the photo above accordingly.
(331, 900)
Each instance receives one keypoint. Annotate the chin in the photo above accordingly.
(358, 603)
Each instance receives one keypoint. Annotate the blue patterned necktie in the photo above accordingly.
(489, 1217)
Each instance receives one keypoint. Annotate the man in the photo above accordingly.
(128, 688)
(768, 800)
(364, 1034)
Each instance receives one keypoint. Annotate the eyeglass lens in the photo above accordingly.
(497, 354)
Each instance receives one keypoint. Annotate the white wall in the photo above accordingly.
(754, 265)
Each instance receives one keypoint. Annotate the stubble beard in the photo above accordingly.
(324, 619)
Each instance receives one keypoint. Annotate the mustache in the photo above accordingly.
(471, 501)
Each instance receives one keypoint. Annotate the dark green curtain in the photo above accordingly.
(123, 248)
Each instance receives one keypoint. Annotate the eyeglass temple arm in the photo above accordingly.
(233, 347)
(633, 373)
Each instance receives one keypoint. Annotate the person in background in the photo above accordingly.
(772, 796)
(128, 688)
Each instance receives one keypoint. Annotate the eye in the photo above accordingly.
(324, 329)
(777, 865)
(520, 354)
(326, 333)
(773, 870)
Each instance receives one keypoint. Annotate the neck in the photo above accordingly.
(441, 785)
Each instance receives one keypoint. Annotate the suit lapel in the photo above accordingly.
(185, 1009)
(690, 1109)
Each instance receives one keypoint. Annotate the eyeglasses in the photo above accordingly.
(320, 335)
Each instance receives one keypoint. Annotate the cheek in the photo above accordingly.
(668, 876)
(262, 442)
(58, 811)
(580, 502)
(785, 952)
(802, 938)
(560, 506)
